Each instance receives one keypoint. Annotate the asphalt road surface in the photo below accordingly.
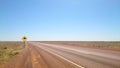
(44, 55)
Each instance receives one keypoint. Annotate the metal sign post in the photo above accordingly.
(24, 38)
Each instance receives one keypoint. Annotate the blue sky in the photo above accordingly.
(60, 20)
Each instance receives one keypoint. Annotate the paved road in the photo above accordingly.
(43, 55)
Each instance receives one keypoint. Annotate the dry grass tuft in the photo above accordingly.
(8, 50)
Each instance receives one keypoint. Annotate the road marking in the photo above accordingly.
(88, 52)
(64, 59)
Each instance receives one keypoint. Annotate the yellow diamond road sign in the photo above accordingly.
(24, 38)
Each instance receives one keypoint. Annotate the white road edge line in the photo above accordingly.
(65, 59)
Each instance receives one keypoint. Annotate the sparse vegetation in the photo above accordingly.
(9, 49)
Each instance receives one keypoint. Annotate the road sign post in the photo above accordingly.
(24, 38)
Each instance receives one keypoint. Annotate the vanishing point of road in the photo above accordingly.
(44, 55)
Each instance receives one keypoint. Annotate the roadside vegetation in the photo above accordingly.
(9, 49)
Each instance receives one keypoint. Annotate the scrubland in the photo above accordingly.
(9, 50)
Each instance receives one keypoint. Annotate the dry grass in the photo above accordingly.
(8, 50)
